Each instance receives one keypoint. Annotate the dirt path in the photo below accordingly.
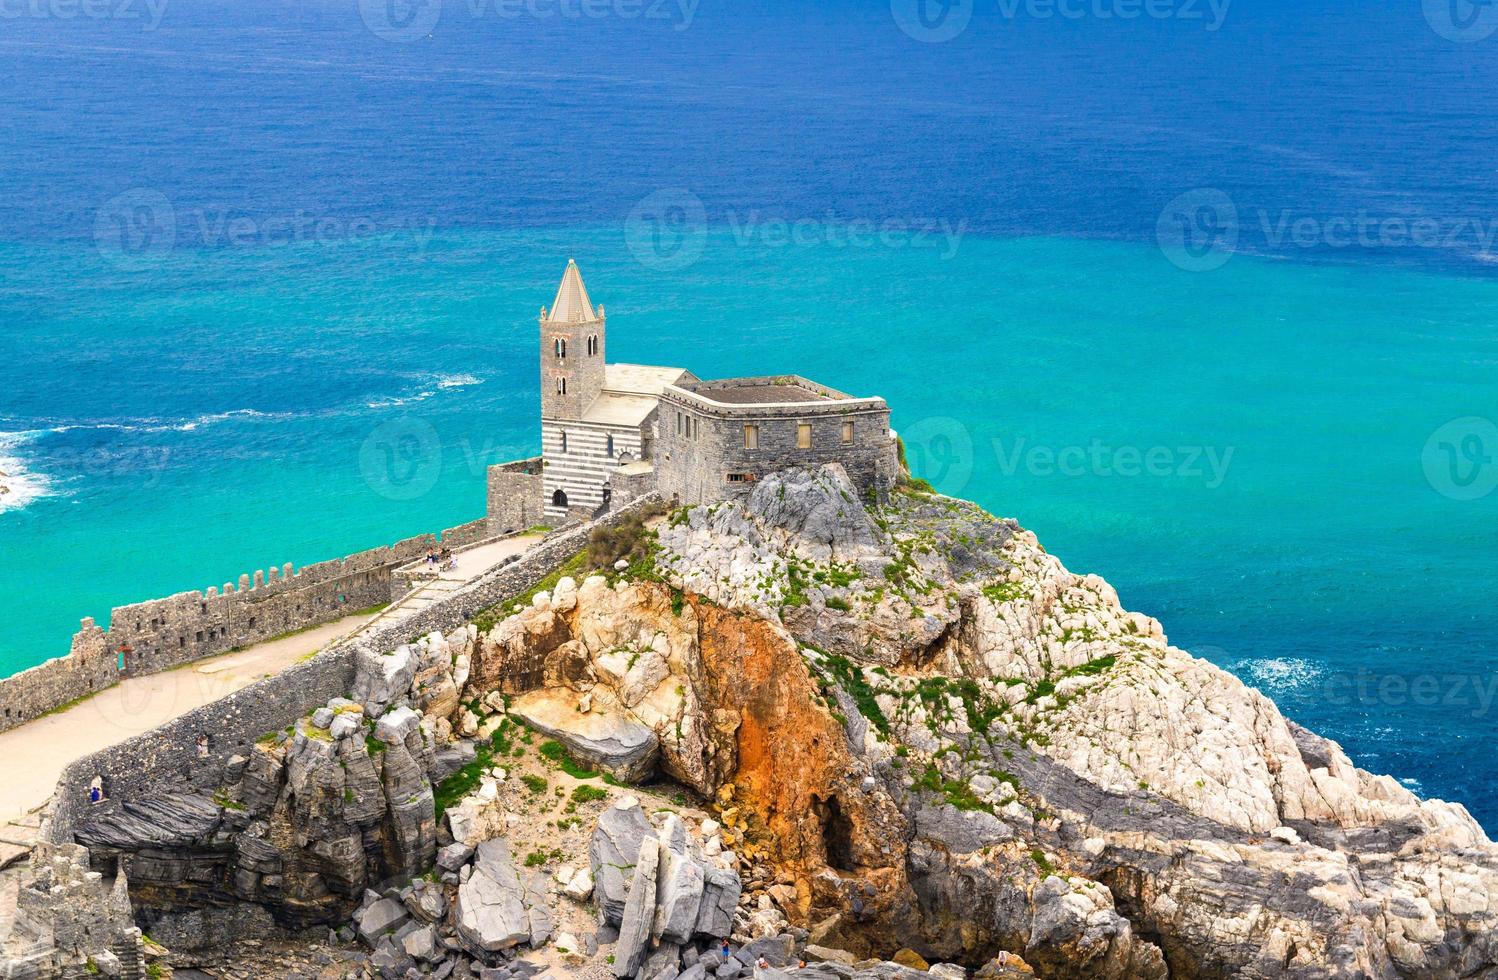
(36, 753)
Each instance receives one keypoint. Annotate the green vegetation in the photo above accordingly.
(1005, 591)
(536, 784)
(576, 567)
(589, 794)
(838, 602)
(628, 540)
(958, 793)
(850, 678)
(556, 753)
(1042, 862)
(463, 782)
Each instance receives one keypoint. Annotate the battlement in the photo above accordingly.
(160, 634)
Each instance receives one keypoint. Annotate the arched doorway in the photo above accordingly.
(559, 499)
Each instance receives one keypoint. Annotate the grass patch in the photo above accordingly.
(557, 754)
(1042, 862)
(589, 794)
(536, 784)
(958, 793)
(1004, 591)
(850, 678)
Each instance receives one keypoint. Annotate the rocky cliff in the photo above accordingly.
(859, 730)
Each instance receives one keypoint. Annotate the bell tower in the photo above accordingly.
(572, 336)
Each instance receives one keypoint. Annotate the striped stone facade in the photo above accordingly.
(579, 462)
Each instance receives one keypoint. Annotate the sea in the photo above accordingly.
(1204, 293)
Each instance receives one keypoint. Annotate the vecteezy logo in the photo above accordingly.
(940, 450)
(932, 21)
(135, 230)
(667, 231)
(1461, 458)
(401, 459)
(400, 20)
(1198, 230)
(1466, 21)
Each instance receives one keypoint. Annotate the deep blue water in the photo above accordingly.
(1207, 300)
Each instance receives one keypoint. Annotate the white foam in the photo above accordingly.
(1282, 675)
(442, 382)
(19, 486)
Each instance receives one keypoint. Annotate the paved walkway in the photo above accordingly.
(36, 753)
(470, 565)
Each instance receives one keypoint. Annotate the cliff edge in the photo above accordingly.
(897, 731)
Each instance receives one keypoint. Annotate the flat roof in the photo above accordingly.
(610, 408)
(768, 390)
(642, 379)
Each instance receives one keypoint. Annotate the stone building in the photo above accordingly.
(610, 432)
(596, 417)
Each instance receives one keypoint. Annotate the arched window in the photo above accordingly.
(559, 346)
(611, 447)
(561, 385)
(559, 499)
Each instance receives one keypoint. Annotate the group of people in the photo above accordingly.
(762, 967)
(444, 560)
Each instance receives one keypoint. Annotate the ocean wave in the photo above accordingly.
(149, 423)
(1281, 675)
(18, 485)
(429, 389)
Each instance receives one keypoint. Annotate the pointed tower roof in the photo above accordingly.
(572, 304)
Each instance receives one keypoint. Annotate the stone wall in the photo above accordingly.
(516, 502)
(702, 458)
(160, 634)
(166, 759)
(88, 668)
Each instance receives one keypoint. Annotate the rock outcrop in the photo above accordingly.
(915, 736)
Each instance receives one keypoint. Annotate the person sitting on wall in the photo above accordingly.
(203, 746)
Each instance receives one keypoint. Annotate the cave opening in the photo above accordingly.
(837, 836)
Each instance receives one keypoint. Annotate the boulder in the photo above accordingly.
(346, 725)
(612, 852)
(381, 679)
(679, 892)
(380, 919)
(720, 898)
(639, 911)
(609, 740)
(490, 912)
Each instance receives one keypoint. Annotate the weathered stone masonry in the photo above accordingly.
(166, 759)
(149, 637)
(704, 453)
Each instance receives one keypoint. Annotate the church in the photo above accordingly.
(613, 432)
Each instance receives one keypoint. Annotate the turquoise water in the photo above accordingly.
(1285, 525)
(322, 328)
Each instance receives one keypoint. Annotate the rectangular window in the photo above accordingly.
(751, 437)
(741, 478)
(847, 433)
(803, 435)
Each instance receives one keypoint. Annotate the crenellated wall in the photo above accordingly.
(149, 637)
(166, 759)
